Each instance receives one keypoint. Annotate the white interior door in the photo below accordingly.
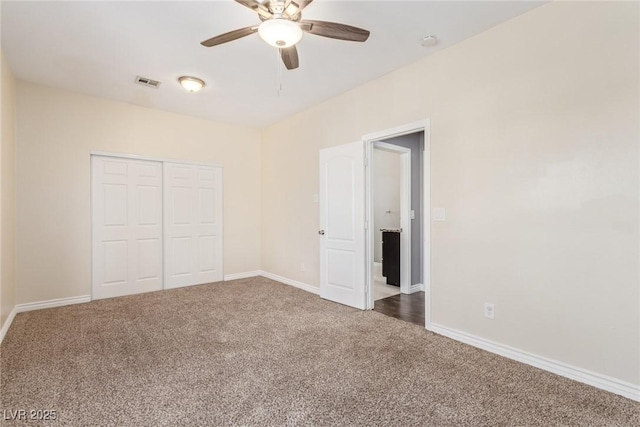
(127, 226)
(193, 224)
(342, 223)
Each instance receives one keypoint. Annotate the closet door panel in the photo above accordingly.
(126, 226)
(193, 226)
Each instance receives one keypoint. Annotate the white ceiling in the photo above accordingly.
(98, 48)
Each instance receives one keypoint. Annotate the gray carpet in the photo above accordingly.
(256, 352)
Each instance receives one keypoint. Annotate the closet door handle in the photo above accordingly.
(321, 232)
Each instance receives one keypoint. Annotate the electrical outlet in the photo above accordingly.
(303, 267)
(489, 311)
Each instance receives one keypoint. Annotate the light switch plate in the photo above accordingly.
(439, 214)
(413, 214)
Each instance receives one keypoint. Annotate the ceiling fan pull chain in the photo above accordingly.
(279, 72)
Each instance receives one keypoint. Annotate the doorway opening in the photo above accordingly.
(391, 173)
(397, 211)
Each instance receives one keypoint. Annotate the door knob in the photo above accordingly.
(321, 232)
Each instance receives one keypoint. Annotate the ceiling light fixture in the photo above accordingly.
(191, 84)
(280, 32)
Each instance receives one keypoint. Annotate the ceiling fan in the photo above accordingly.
(282, 27)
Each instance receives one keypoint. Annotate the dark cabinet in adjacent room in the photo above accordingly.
(391, 256)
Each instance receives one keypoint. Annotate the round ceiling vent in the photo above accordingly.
(429, 41)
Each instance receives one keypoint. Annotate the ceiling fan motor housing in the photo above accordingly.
(277, 9)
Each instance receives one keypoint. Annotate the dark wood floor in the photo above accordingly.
(409, 308)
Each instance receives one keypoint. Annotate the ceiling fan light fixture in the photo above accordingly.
(280, 32)
(191, 84)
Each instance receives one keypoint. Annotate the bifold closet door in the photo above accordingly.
(193, 224)
(127, 226)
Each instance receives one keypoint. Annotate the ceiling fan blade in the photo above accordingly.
(303, 3)
(257, 7)
(335, 31)
(230, 36)
(289, 56)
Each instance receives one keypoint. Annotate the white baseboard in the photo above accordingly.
(291, 282)
(427, 306)
(7, 324)
(600, 381)
(245, 275)
(60, 302)
(418, 287)
(39, 305)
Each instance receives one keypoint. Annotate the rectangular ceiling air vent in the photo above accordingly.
(144, 81)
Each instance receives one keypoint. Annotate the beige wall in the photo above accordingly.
(7, 195)
(534, 154)
(58, 129)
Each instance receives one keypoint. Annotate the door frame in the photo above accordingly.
(151, 158)
(405, 213)
(368, 141)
